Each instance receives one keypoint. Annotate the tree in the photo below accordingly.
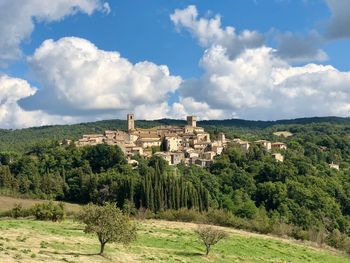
(109, 224)
(210, 236)
(104, 157)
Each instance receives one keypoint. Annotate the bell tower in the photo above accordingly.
(192, 121)
(131, 121)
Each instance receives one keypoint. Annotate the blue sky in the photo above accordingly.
(302, 40)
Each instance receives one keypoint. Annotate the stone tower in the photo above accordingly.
(192, 121)
(221, 137)
(131, 121)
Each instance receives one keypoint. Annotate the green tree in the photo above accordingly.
(103, 157)
(210, 236)
(109, 224)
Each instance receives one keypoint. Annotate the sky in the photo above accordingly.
(72, 61)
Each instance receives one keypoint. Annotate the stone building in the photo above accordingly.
(180, 144)
(278, 157)
(279, 145)
(334, 166)
(265, 144)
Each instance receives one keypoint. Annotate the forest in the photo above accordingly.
(302, 192)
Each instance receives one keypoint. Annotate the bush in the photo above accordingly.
(261, 223)
(184, 215)
(281, 229)
(129, 208)
(189, 215)
(144, 213)
(222, 218)
(18, 211)
(299, 234)
(335, 239)
(317, 235)
(345, 244)
(49, 211)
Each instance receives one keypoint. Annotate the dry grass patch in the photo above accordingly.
(283, 133)
(7, 203)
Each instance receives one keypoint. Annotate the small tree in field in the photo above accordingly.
(109, 224)
(210, 236)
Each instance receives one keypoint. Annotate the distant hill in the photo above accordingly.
(22, 139)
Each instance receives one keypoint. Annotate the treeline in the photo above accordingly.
(99, 174)
(22, 140)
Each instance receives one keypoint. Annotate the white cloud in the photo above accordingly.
(209, 31)
(77, 78)
(13, 116)
(258, 82)
(338, 26)
(293, 47)
(188, 106)
(18, 18)
(259, 85)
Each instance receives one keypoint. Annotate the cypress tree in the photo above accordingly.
(177, 195)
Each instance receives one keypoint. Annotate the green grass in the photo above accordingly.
(158, 241)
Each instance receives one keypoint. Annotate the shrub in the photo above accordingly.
(49, 211)
(129, 208)
(222, 218)
(335, 239)
(345, 244)
(184, 215)
(18, 211)
(317, 235)
(299, 233)
(188, 215)
(261, 223)
(144, 213)
(281, 229)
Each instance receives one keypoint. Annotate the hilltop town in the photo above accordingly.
(187, 144)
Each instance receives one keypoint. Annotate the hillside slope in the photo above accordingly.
(30, 241)
(22, 139)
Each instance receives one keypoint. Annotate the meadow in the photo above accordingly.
(27, 240)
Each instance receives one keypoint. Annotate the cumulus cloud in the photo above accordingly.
(260, 85)
(18, 18)
(13, 116)
(259, 82)
(301, 48)
(338, 26)
(210, 32)
(188, 106)
(77, 78)
(294, 47)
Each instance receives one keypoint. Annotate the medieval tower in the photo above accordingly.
(192, 121)
(131, 121)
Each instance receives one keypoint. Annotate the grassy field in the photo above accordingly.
(158, 241)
